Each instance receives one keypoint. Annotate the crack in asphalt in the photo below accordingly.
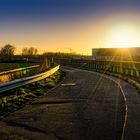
(33, 129)
(60, 101)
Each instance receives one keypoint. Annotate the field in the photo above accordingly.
(11, 76)
(10, 66)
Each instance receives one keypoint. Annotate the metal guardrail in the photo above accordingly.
(19, 69)
(27, 80)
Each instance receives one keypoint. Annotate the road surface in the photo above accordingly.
(86, 106)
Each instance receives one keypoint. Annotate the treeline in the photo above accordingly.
(9, 50)
(61, 55)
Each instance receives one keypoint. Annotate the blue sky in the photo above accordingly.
(55, 25)
(55, 9)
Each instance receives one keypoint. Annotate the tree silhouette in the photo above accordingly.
(29, 51)
(7, 50)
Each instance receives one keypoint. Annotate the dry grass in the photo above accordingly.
(16, 99)
(10, 66)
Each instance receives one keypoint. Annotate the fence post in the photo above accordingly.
(137, 73)
(132, 72)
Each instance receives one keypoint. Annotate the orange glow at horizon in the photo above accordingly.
(77, 35)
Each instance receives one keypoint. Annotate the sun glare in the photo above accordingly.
(123, 37)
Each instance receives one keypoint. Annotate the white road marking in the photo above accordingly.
(68, 84)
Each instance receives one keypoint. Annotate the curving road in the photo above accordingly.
(92, 108)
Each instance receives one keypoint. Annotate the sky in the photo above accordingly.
(69, 25)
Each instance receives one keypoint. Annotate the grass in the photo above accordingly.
(11, 76)
(18, 74)
(11, 66)
(16, 99)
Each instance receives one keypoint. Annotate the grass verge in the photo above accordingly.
(16, 99)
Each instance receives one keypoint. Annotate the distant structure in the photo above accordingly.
(123, 54)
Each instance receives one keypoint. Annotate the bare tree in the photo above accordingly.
(29, 51)
(7, 50)
(35, 51)
(25, 51)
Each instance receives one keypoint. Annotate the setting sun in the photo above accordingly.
(124, 36)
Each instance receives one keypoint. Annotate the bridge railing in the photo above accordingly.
(127, 68)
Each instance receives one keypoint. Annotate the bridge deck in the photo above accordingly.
(94, 108)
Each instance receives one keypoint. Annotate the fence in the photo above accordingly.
(127, 68)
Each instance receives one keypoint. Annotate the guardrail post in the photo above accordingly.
(101, 67)
(123, 70)
(95, 66)
(92, 65)
(104, 67)
(126, 71)
(129, 71)
(137, 73)
(132, 72)
(98, 66)
(114, 70)
(89, 66)
(117, 69)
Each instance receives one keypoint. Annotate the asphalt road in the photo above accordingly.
(92, 109)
